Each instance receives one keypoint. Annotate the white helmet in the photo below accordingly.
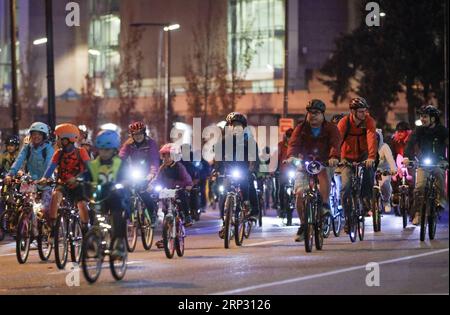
(41, 127)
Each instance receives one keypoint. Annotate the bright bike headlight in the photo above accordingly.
(158, 188)
(136, 174)
(427, 161)
(221, 189)
(236, 174)
(118, 186)
(255, 184)
(291, 174)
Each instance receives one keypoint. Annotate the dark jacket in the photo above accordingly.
(173, 175)
(146, 151)
(323, 147)
(430, 142)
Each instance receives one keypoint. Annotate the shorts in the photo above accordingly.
(74, 195)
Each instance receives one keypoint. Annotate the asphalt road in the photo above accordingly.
(269, 262)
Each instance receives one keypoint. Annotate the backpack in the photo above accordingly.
(347, 133)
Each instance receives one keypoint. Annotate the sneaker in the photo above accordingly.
(160, 244)
(416, 220)
(222, 232)
(119, 250)
(300, 234)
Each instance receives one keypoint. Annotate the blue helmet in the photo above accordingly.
(107, 139)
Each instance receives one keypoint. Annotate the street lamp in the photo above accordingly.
(167, 27)
(40, 41)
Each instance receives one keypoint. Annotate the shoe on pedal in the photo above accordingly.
(416, 220)
(300, 234)
(160, 244)
(222, 232)
(188, 221)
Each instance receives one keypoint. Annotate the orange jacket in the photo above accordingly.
(323, 147)
(360, 142)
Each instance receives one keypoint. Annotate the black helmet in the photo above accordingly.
(429, 110)
(358, 102)
(316, 104)
(13, 140)
(336, 118)
(402, 126)
(235, 116)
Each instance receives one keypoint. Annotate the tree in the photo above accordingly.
(128, 79)
(88, 112)
(29, 90)
(404, 54)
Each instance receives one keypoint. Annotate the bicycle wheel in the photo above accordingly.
(404, 209)
(248, 226)
(23, 238)
(352, 220)
(423, 221)
(76, 240)
(328, 227)
(228, 211)
(318, 235)
(361, 227)
(145, 222)
(168, 237)
(131, 233)
(376, 215)
(432, 223)
(239, 227)
(45, 242)
(309, 231)
(61, 246)
(179, 240)
(118, 258)
(337, 223)
(3, 224)
(92, 255)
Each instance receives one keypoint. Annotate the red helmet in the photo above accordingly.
(136, 127)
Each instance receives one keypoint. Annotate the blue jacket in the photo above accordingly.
(36, 165)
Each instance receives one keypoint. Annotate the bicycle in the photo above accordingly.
(173, 225)
(236, 212)
(312, 202)
(139, 220)
(99, 241)
(355, 218)
(404, 198)
(9, 218)
(288, 196)
(32, 225)
(429, 214)
(377, 200)
(68, 234)
(335, 219)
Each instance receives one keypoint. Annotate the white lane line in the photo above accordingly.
(262, 243)
(324, 274)
(67, 269)
(3, 255)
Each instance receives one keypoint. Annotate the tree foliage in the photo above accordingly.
(404, 54)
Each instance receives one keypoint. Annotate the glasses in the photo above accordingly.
(361, 111)
(137, 134)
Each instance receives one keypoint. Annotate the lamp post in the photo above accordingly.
(50, 65)
(167, 27)
(286, 58)
(14, 104)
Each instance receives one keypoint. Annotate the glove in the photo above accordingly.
(333, 162)
(370, 163)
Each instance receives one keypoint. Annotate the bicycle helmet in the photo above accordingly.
(402, 126)
(13, 140)
(68, 131)
(41, 127)
(235, 116)
(358, 102)
(107, 139)
(317, 105)
(136, 127)
(429, 110)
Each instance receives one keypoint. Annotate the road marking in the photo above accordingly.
(324, 274)
(12, 254)
(262, 243)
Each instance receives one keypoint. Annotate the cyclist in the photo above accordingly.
(281, 178)
(398, 144)
(70, 162)
(173, 175)
(240, 157)
(142, 151)
(319, 139)
(429, 141)
(36, 156)
(106, 170)
(8, 157)
(359, 143)
(386, 161)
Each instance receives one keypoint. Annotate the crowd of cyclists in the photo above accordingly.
(67, 165)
